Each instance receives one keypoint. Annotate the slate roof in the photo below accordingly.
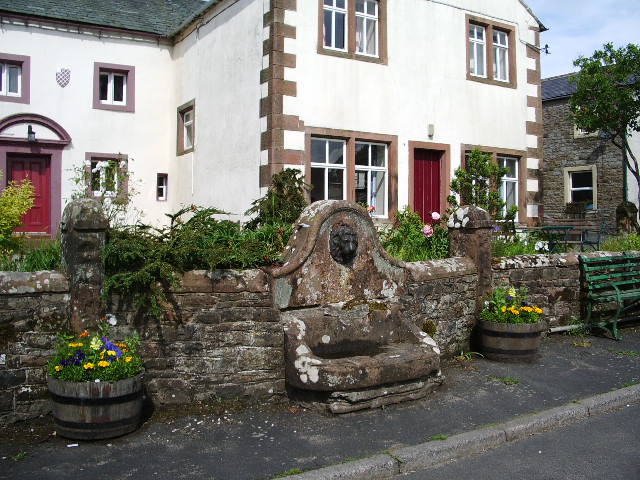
(161, 17)
(557, 87)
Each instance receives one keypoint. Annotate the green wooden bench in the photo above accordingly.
(611, 280)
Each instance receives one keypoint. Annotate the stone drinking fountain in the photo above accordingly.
(348, 344)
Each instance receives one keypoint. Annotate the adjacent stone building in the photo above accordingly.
(579, 167)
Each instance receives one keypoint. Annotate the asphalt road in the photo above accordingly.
(606, 446)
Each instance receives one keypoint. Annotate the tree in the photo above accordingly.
(607, 98)
(479, 184)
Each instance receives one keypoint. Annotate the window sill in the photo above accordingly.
(352, 56)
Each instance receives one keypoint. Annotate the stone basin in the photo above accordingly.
(351, 346)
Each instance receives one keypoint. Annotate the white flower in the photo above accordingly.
(111, 319)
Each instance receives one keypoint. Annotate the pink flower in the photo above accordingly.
(427, 230)
(371, 208)
(435, 216)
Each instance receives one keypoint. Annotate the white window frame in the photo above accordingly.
(364, 19)
(162, 187)
(331, 7)
(477, 45)
(367, 170)
(500, 55)
(327, 165)
(100, 166)
(188, 123)
(568, 188)
(506, 180)
(4, 80)
(111, 88)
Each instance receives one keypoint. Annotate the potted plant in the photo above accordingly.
(96, 384)
(510, 328)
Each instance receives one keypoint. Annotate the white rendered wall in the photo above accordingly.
(219, 66)
(424, 82)
(144, 135)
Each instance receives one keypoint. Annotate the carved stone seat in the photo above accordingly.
(348, 344)
(355, 346)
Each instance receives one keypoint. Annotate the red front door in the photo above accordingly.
(426, 182)
(36, 168)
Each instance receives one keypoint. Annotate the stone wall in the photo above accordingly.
(564, 148)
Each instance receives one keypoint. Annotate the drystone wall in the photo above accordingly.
(221, 333)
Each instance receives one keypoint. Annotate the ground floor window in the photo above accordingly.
(352, 168)
(580, 185)
(509, 184)
(106, 174)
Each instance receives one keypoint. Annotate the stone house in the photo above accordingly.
(580, 167)
(376, 101)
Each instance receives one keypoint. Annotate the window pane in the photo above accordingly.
(582, 196)
(340, 3)
(510, 194)
(336, 184)
(378, 191)
(362, 154)
(104, 86)
(328, 28)
(317, 182)
(318, 151)
(581, 180)
(118, 88)
(336, 152)
(13, 79)
(95, 177)
(372, 47)
(362, 187)
(511, 164)
(340, 30)
(378, 156)
(188, 136)
(360, 6)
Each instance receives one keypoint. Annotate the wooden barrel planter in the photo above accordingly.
(96, 410)
(509, 342)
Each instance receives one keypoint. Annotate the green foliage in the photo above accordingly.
(141, 262)
(283, 202)
(505, 304)
(607, 97)
(110, 183)
(621, 243)
(93, 356)
(506, 246)
(15, 200)
(405, 238)
(44, 256)
(507, 380)
(478, 183)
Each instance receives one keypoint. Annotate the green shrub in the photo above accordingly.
(406, 241)
(506, 246)
(15, 200)
(44, 256)
(621, 243)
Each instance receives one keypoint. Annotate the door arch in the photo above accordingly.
(38, 158)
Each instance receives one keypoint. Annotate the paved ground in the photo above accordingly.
(225, 442)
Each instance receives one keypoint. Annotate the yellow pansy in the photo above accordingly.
(128, 359)
(103, 363)
(96, 343)
(112, 353)
(59, 367)
(88, 366)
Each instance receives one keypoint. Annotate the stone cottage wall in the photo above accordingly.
(563, 148)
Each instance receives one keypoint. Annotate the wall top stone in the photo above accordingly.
(33, 282)
(224, 281)
(426, 270)
(335, 255)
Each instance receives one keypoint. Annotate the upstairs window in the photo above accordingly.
(500, 56)
(335, 24)
(14, 78)
(114, 87)
(477, 49)
(186, 127)
(367, 27)
(490, 52)
(353, 29)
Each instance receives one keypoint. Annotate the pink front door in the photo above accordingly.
(426, 182)
(36, 168)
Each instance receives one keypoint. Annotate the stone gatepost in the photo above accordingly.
(83, 232)
(470, 236)
(627, 218)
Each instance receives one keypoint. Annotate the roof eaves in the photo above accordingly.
(542, 27)
(194, 17)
